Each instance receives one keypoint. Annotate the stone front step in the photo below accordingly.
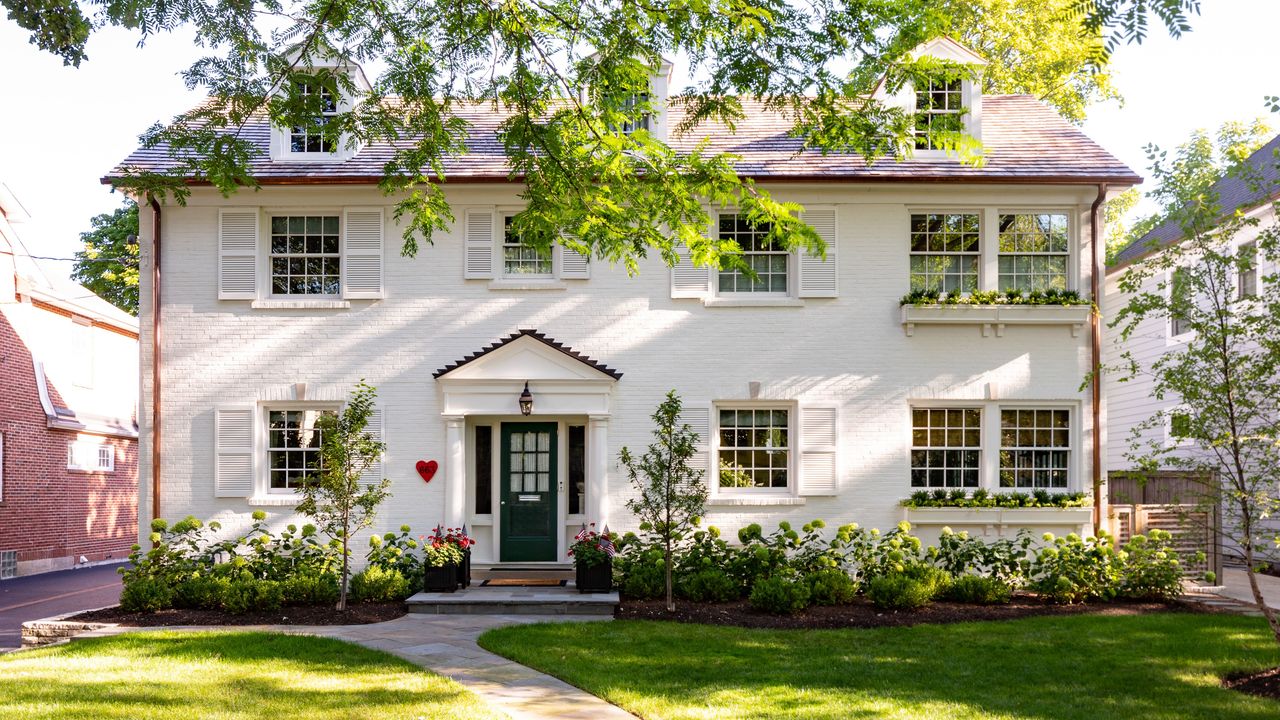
(515, 601)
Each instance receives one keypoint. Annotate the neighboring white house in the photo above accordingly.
(831, 400)
(1130, 404)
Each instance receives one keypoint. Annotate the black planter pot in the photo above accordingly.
(441, 579)
(464, 570)
(596, 578)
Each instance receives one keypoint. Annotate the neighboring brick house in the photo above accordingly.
(68, 432)
(814, 393)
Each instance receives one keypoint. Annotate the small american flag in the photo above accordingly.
(581, 533)
(606, 544)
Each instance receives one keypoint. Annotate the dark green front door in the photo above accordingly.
(528, 492)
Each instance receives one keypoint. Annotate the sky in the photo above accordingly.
(63, 128)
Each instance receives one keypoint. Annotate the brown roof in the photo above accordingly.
(1024, 141)
(549, 342)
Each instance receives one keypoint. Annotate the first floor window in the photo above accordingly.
(1034, 252)
(945, 252)
(89, 456)
(1035, 445)
(946, 447)
(755, 448)
(293, 447)
(519, 259)
(769, 264)
(305, 258)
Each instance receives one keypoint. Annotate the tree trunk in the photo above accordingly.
(342, 595)
(1272, 621)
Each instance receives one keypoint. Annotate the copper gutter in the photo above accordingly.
(1095, 332)
(155, 358)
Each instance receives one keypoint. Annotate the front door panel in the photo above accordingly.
(528, 492)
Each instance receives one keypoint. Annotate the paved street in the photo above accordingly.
(37, 596)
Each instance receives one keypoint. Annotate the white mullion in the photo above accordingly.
(989, 247)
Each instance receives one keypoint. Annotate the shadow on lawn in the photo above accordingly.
(1159, 665)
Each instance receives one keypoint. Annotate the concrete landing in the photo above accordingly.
(477, 600)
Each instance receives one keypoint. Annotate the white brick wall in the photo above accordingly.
(850, 351)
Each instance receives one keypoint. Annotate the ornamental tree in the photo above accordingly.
(1224, 381)
(108, 262)
(670, 493)
(335, 494)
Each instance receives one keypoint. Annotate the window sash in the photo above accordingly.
(1247, 277)
(760, 436)
(946, 251)
(1035, 448)
(523, 261)
(311, 138)
(949, 454)
(938, 109)
(90, 456)
(772, 265)
(289, 461)
(305, 255)
(1034, 251)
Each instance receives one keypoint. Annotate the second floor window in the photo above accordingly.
(939, 109)
(769, 264)
(1179, 324)
(639, 123)
(311, 137)
(1033, 252)
(305, 258)
(1247, 270)
(945, 252)
(521, 260)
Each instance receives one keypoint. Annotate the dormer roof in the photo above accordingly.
(944, 48)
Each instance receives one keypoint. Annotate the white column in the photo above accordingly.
(455, 471)
(597, 508)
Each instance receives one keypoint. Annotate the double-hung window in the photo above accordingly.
(945, 252)
(312, 137)
(1035, 448)
(1179, 323)
(305, 257)
(641, 120)
(293, 448)
(520, 260)
(754, 448)
(1034, 252)
(939, 109)
(1247, 270)
(946, 447)
(769, 264)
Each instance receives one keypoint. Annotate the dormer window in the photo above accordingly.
(311, 138)
(639, 123)
(939, 109)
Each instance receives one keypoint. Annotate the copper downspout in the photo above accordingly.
(1095, 331)
(155, 358)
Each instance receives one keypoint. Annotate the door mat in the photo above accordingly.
(523, 582)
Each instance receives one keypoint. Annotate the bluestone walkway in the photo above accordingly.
(446, 644)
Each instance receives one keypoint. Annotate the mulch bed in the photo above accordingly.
(356, 614)
(1263, 684)
(862, 614)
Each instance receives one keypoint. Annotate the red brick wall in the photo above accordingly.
(49, 512)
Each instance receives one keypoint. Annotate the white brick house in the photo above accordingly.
(817, 360)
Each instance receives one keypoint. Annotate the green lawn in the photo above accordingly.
(224, 676)
(1089, 667)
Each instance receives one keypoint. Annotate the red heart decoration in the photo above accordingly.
(427, 469)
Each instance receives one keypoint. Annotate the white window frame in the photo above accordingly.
(1170, 337)
(965, 101)
(989, 460)
(500, 254)
(324, 115)
(981, 447)
(1072, 269)
(793, 410)
(262, 443)
(103, 456)
(984, 241)
(267, 285)
(1255, 271)
(791, 256)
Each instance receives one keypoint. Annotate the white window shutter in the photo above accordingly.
(818, 277)
(478, 243)
(374, 474)
(233, 449)
(237, 253)
(574, 265)
(699, 421)
(362, 253)
(818, 437)
(689, 280)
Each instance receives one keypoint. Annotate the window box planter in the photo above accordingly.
(595, 578)
(994, 318)
(1038, 517)
(464, 570)
(441, 579)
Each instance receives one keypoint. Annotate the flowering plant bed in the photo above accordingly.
(861, 613)
(356, 614)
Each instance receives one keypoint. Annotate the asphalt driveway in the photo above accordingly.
(37, 596)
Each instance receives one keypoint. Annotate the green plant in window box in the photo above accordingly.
(1040, 498)
(1052, 296)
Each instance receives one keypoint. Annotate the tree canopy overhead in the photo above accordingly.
(568, 73)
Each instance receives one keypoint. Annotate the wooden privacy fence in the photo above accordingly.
(1173, 502)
